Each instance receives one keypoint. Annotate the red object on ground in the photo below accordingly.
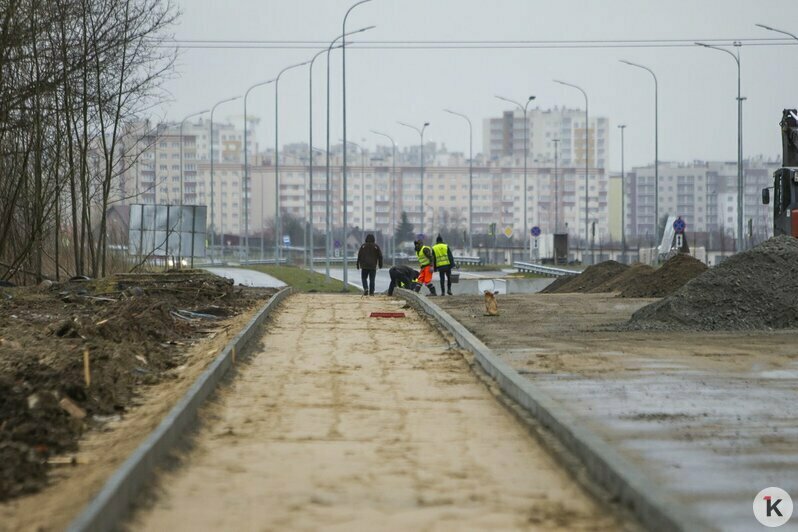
(387, 315)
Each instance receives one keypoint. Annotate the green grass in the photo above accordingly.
(301, 280)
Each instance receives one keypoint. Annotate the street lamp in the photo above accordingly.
(656, 145)
(556, 187)
(623, 199)
(470, 177)
(421, 134)
(182, 195)
(246, 175)
(343, 72)
(213, 219)
(362, 188)
(740, 99)
(527, 236)
(587, 151)
(393, 196)
(778, 31)
(278, 227)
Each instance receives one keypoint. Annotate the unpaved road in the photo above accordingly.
(345, 422)
(708, 416)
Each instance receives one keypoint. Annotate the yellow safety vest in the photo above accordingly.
(441, 251)
(422, 258)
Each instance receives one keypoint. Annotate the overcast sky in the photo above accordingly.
(697, 86)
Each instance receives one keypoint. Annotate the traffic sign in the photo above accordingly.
(287, 240)
(337, 244)
(421, 237)
(535, 231)
(679, 225)
(508, 231)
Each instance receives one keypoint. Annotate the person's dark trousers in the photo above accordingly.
(445, 273)
(367, 276)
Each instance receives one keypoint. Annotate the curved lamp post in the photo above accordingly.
(470, 177)
(587, 152)
(393, 196)
(421, 134)
(656, 144)
(527, 236)
(740, 99)
(213, 220)
(278, 229)
(246, 174)
(343, 73)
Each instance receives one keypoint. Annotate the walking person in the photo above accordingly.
(425, 259)
(444, 262)
(369, 259)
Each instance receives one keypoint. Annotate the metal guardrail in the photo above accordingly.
(238, 263)
(543, 270)
(468, 260)
(334, 260)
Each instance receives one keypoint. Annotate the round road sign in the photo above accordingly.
(679, 225)
(535, 231)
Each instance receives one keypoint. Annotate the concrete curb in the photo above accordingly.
(113, 501)
(625, 482)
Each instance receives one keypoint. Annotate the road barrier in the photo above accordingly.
(543, 270)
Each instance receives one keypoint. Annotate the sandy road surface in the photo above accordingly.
(353, 423)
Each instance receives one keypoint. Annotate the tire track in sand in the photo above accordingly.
(345, 422)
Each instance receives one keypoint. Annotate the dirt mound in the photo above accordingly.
(592, 277)
(558, 282)
(624, 279)
(665, 280)
(756, 289)
(133, 326)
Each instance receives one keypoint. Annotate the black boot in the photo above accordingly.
(432, 291)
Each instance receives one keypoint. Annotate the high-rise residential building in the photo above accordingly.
(504, 136)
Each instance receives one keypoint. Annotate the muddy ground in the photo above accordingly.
(138, 331)
(707, 415)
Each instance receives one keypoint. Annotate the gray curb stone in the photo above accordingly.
(113, 502)
(626, 483)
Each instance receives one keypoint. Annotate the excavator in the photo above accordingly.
(785, 179)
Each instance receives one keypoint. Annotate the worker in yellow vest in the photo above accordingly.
(425, 260)
(444, 262)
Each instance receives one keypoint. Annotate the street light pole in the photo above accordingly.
(470, 178)
(393, 196)
(362, 188)
(343, 74)
(213, 219)
(623, 199)
(246, 171)
(278, 227)
(656, 145)
(736, 57)
(556, 187)
(587, 152)
(527, 236)
(421, 134)
(182, 195)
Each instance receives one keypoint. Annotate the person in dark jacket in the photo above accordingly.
(403, 277)
(369, 258)
(444, 262)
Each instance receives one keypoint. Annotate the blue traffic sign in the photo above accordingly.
(679, 225)
(337, 243)
(535, 231)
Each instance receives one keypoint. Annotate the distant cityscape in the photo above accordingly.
(703, 193)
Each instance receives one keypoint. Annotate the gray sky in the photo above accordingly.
(697, 86)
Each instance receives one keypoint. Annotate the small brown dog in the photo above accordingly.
(491, 307)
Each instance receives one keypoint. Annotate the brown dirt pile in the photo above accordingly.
(753, 290)
(665, 280)
(135, 328)
(624, 279)
(589, 279)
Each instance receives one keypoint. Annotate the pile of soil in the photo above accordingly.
(625, 278)
(135, 328)
(749, 291)
(589, 279)
(665, 280)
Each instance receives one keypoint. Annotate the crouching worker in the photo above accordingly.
(425, 260)
(403, 277)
